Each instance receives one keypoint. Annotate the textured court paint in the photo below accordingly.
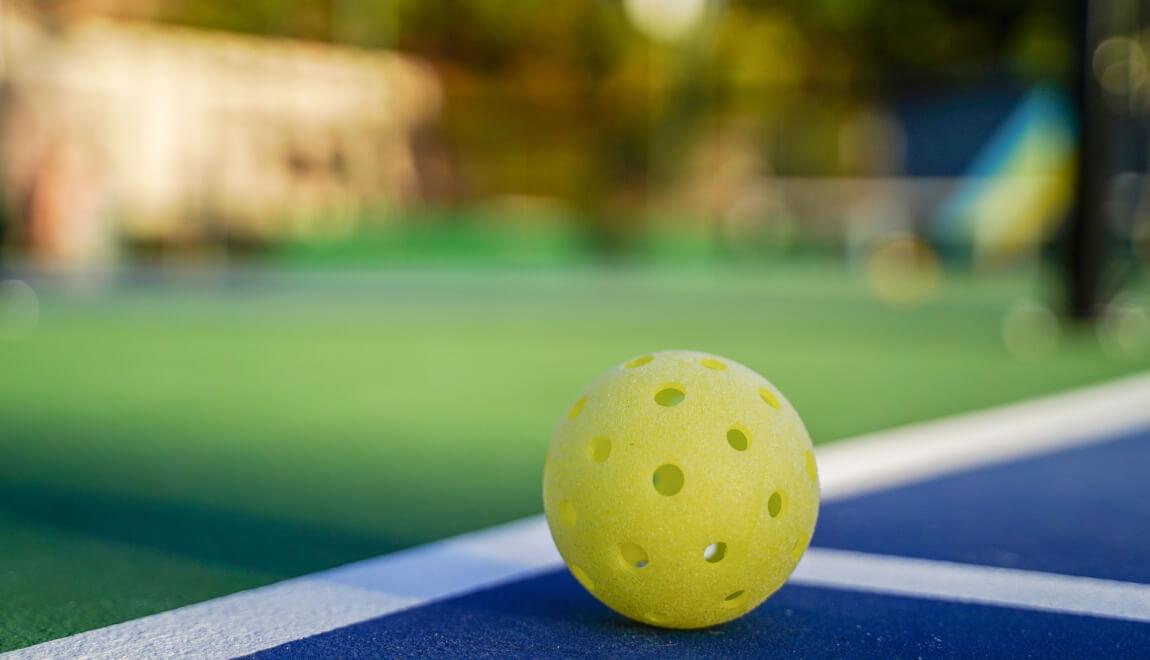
(915, 626)
(918, 451)
(357, 596)
(975, 584)
(224, 627)
(146, 392)
(552, 616)
(261, 618)
(633, 522)
(1081, 511)
(456, 565)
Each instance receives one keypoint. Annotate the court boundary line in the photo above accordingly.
(974, 583)
(265, 617)
(1084, 416)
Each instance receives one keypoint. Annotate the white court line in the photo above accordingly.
(226, 627)
(269, 616)
(259, 619)
(263, 618)
(986, 585)
(912, 453)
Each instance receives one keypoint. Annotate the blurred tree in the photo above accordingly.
(566, 98)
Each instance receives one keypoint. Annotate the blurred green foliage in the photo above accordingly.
(866, 39)
(566, 99)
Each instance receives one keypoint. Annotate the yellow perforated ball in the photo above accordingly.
(681, 489)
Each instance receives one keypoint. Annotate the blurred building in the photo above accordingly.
(128, 132)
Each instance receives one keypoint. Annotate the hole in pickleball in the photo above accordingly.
(734, 598)
(715, 552)
(599, 449)
(775, 504)
(634, 555)
(668, 479)
(797, 549)
(737, 439)
(583, 578)
(639, 361)
(577, 408)
(769, 397)
(812, 469)
(655, 618)
(670, 396)
(712, 363)
(567, 513)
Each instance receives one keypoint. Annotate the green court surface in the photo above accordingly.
(163, 443)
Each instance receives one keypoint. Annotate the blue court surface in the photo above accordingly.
(1083, 512)
(1032, 541)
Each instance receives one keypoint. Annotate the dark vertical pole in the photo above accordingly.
(1084, 250)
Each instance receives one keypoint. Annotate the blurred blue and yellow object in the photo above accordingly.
(1020, 185)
